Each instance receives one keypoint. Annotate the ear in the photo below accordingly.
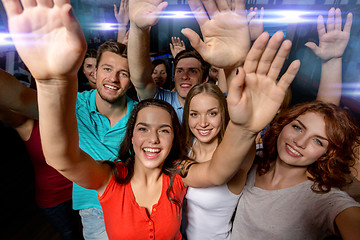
(206, 79)
(95, 73)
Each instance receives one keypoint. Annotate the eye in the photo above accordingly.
(296, 127)
(106, 69)
(179, 71)
(213, 114)
(142, 129)
(164, 131)
(193, 114)
(124, 75)
(317, 141)
(193, 71)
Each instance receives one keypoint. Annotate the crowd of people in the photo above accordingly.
(151, 158)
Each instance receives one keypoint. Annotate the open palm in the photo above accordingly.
(47, 37)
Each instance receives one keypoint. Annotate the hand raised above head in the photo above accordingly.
(332, 40)
(47, 36)
(255, 95)
(122, 16)
(226, 39)
(145, 13)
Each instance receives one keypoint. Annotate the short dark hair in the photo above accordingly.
(111, 46)
(188, 53)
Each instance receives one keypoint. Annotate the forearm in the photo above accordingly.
(58, 126)
(121, 33)
(330, 81)
(233, 150)
(222, 81)
(17, 97)
(139, 62)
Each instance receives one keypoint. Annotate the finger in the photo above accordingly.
(182, 44)
(115, 10)
(330, 26)
(289, 75)
(269, 53)
(313, 47)
(195, 41)
(171, 47)
(236, 87)
(347, 26)
(338, 21)
(261, 13)
(211, 7)
(254, 55)
(28, 3)
(198, 11)
(222, 5)
(75, 33)
(239, 5)
(46, 3)
(321, 26)
(279, 60)
(12, 7)
(250, 16)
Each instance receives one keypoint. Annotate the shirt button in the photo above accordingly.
(151, 230)
(151, 236)
(154, 209)
(150, 223)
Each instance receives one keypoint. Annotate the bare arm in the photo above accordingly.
(332, 44)
(56, 75)
(17, 97)
(122, 18)
(253, 100)
(348, 222)
(143, 15)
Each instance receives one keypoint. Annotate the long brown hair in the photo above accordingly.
(333, 168)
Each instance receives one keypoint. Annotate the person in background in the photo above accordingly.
(53, 192)
(86, 75)
(161, 74)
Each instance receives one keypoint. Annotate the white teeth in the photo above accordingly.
(111, 87)
(293, 151)
(153, 150)
(185, 85)
(204, 131)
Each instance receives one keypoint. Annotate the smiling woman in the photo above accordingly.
(297, 182)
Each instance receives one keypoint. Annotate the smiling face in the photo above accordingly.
(152, 137)
(303, 141)
(159, 74)
(205, 117)
(89, 71)
(112, 77)
(188, 73)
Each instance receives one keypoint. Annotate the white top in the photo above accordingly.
(208, 212)
(290, 213)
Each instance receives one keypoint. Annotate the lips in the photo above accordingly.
(151, 153)
(291, 151)
(204, 132)
(185, 85)
(111, 87)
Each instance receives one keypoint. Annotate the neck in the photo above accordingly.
(204, 151)
(181, 100)
(113, 111)
(282, 175)
(146, 176)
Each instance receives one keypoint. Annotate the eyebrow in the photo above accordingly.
(147, 125)
(211, 109)
(188, 68)
(303, 126)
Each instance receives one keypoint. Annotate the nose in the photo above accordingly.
(300, 141)
(185, 75)
(154, 137)
(203, 121)
(114, 77)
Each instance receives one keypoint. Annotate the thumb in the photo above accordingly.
(236, 87)
(195, 40)
(313, 47)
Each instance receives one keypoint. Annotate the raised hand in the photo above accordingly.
(176, 46)
(145, 13)
(256, 25)
(47, 36)
(122, 15)
(255, 95)
(226, 39)
(332, 40)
